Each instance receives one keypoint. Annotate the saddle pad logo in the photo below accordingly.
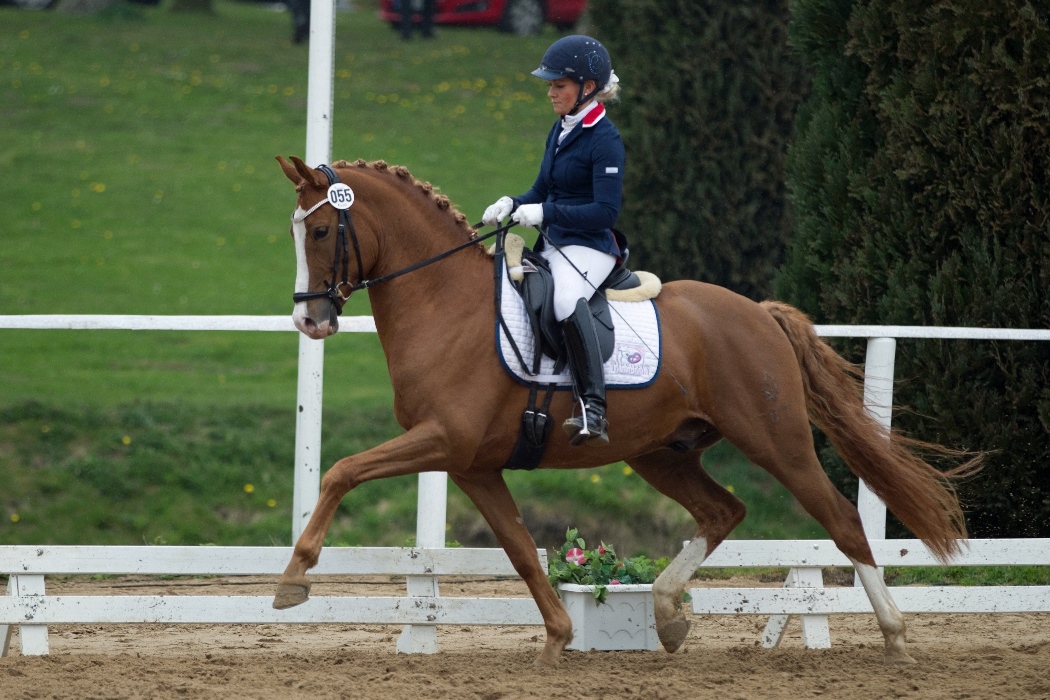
(630, 359)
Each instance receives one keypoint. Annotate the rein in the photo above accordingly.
(342, 256)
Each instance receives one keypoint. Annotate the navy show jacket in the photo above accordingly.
(580, 184)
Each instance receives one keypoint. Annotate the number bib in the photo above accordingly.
(340, 195)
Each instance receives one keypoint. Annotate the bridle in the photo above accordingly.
(342, 253)
(341, 259)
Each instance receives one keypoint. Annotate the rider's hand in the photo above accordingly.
(529, 214)
(498, 211)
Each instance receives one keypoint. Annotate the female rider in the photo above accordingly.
(575, 201)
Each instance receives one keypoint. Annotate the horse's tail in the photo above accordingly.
(922, 497)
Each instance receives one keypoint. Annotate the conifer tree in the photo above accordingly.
(710, 90)
(921, 196)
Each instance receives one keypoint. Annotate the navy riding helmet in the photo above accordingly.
(579, 58)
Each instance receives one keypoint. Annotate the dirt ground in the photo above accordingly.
(959, 656)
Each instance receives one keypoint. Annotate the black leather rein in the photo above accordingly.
(341, 259)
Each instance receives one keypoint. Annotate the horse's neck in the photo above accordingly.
(452, 296)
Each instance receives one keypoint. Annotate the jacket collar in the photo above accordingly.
(590, 118)
(593, 116)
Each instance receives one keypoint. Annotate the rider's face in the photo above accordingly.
(563, 93)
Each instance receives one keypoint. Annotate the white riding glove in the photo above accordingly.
(529, 214)
(498, 211)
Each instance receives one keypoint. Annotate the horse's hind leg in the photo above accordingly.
(681, 477)
(815, 492)
(784, 448)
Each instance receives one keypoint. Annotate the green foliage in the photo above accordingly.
(710, 92)
(921, 191)
(599, 567)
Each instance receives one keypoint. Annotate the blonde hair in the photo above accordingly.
(610, 93)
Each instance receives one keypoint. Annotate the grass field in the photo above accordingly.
(138, 151)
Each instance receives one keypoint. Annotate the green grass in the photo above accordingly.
(161, 472)
(139, 178)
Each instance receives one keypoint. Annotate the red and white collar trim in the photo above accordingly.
(594, 115)
(589, 116)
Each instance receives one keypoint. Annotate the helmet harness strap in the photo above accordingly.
(582, 99)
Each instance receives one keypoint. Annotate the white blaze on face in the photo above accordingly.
(302, 269)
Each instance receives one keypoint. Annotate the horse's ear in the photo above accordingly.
(299, 172)
(289, 171)
(309, 175)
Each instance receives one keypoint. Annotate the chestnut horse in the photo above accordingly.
(754, 374)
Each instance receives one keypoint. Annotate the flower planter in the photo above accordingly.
(625, 621)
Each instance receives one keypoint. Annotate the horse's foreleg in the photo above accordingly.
(490, 494)
(420, 449)
(681, 477)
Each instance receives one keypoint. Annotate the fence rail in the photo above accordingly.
(27, 604)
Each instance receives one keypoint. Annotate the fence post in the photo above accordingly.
(431, 509)
(319, 105)
(307, 486)
(320, 83)
(878, 400)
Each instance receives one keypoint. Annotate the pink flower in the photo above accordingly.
(602, 549)
(614, 582)
(575, 556)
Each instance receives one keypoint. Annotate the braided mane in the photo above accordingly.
(401, 172)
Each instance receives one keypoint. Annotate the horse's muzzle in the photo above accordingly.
(316, 323)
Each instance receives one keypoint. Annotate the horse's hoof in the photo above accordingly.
(672, 635)
(550, 660)
(899, 658)
(291, 594)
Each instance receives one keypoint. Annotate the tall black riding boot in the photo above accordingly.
(588, 378)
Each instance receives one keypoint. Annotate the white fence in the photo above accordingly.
(27, 604)
(803, 594)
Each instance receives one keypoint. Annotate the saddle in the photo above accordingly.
(536, 286)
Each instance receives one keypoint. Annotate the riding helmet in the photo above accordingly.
(578, 57)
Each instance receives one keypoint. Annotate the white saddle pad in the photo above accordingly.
(635, 361)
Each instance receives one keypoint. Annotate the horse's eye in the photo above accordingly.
(320, 233)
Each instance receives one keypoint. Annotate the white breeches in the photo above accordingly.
(569, 284)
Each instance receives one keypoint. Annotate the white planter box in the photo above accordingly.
(624, 621)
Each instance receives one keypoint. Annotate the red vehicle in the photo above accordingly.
(515, 16)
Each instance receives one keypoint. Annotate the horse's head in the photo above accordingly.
(327, 250)
(334, 257)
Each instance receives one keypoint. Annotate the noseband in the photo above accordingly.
(341, 260)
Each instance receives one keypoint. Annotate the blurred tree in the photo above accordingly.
(710, 90)
(920, 188)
